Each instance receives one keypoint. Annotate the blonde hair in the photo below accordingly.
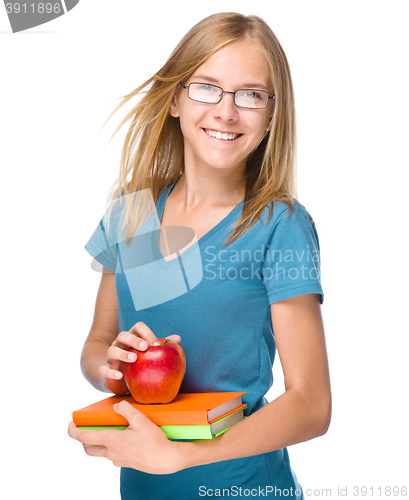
(153, 151)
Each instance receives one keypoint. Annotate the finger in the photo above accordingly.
(117, 354)
(143, 331)
(71, 425)
(95, 450)
(86, 437)
(131, 339)
(107, 372)
(131, 414)
(174, 338)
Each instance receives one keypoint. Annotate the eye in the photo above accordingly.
(251, 94)
(204, 87)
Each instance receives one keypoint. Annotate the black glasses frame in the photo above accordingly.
(224, 92)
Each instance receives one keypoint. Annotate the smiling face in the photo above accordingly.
(221, 136)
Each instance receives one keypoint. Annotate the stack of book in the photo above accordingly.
(188, 416)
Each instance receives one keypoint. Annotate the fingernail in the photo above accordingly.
(131, 356)
(115, 406)
(143, 345)
(156, 342)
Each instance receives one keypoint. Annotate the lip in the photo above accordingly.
(222, 132)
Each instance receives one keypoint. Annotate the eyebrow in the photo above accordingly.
(245, 85)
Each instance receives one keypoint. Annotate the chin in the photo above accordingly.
(226, 164)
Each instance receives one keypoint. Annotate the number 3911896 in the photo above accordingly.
(382, 491)
(34, 8)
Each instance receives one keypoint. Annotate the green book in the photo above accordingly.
(208, 431)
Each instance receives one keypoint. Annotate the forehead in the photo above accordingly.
(239, 63)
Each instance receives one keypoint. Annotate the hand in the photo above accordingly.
(142, 446)
(140, 336)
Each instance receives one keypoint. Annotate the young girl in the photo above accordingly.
(213, 143)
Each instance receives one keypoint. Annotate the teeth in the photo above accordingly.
(219, 135)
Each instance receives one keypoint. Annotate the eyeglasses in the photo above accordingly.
(243, 98)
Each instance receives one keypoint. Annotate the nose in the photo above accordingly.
(226, 109)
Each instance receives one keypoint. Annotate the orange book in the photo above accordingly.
(186, 409)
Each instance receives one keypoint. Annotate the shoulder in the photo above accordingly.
(280, 223)
(289, 226)
(281, 213)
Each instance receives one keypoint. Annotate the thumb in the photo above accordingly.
(128, 411)
(174, 338)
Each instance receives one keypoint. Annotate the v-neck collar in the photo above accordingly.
(220, 226)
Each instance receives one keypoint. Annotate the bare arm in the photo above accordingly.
(104, 331)
(105, 348)
(303, 411)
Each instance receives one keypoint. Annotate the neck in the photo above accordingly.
(195, 190)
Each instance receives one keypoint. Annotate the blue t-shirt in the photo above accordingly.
(217, 298)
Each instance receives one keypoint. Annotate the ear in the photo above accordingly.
(173, 108)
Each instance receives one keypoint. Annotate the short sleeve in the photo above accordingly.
(292, 261)
(103, 247)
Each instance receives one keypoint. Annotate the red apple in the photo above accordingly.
(157, 373)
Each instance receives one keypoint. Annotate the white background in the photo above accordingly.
(60, 81)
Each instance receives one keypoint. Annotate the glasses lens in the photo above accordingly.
(253, 99)
(203, 92)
